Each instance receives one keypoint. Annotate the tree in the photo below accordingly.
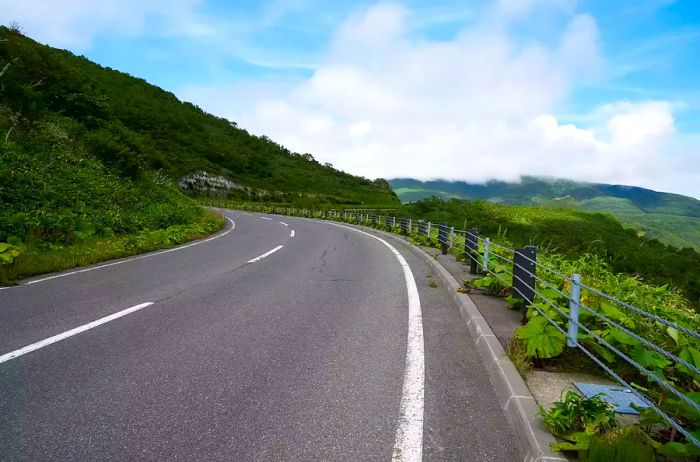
(15, 27)
(382, 183)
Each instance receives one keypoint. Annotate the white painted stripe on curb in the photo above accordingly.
(266, 254)
(408, 444)
(70, 333)
(265, 218)
(292, 234)
(92, 268)
(283, 223)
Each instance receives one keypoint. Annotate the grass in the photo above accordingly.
(517, 352)
(37, 259)
(624, 445)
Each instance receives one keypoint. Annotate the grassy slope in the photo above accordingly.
(675, 230)
(91, 156)
(132, 126)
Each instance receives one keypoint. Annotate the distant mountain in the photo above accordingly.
(671, 218)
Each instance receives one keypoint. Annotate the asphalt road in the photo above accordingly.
(306, 354)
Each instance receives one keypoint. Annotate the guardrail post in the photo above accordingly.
(410, 226)
(429, 225)
(442, 237)
(452, 236)
(574, 303)
(471, 246)
(393, 222)
(487, 249)
(524, 270)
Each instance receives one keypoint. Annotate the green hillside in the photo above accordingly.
(671, 218)
(90, 155)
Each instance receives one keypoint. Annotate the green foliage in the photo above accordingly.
(8, 252)
(42, 257)
(630, 444)
(542, 339)
(576, 413)
(572, 234)
(517, 352)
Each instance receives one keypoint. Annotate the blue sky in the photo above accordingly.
(589, 90)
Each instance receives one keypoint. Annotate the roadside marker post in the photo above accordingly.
(471, 246)
(524, 270)
(442, 237)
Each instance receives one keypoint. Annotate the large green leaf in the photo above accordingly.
(648, 359)
(579, 441)
(8, 252)
(607, 355)
(542, 339)
(673, 333)
(622, 337)
(674, 449)
(611, 310)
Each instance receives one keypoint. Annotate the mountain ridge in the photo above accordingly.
(671, 218)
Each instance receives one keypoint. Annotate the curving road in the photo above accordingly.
(277, 339)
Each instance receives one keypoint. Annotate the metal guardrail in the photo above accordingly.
(522, 267)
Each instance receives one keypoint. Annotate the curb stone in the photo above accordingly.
(515, 398)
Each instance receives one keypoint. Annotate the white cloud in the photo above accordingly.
(75, 23)
(480, 106)
(385, 101)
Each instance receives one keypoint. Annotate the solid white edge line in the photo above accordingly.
(292, 234)
(265, 218)
(283, 223)
(92, 268)
(247, 214)
(266, 254)
(408, 443)
(70, 333)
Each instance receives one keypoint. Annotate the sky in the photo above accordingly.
(600, 90)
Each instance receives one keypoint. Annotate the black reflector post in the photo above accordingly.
(524, 270)
(471, 249)
(442, 237)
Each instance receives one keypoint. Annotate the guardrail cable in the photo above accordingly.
(641, 312)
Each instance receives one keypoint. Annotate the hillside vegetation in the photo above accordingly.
(675, 230)
(90, 154)
(671, 218)
(572, 233)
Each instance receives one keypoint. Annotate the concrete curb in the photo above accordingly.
(518, 403)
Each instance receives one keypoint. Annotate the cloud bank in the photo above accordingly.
(384, 98)
(482, 105)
